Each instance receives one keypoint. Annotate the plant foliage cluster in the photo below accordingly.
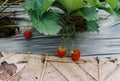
(50, 16)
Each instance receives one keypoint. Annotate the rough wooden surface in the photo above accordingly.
(32, 67)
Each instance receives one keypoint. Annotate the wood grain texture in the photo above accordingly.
(30, 68)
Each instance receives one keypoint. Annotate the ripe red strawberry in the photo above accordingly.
(75, 54)
(27, 34)
(61, 51)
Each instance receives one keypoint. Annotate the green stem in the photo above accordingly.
(7, 15)
(67, 37)
(67, 30)
(73, 44)
(3, 3)
(105, 17)
(10, 5)
(63, 40)
(73, 39)
(23, 25)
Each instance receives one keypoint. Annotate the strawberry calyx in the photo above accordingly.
(61, 51)
(71, 52)
(61, 48)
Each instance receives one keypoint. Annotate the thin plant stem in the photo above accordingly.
(3, 3)
(73, 39)
(73, 44)
(10, 5)
(69, 35)
(105, 17)
(65, 36)
(7, 15)
(23, 25)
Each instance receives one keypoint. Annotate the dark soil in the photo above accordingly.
(7, 31)
(80, 23)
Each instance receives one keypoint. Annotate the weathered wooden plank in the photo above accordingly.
(108, 69)
(5, 56)
(71, 71)
(114, 76)
(30, 66)
(33, 69)
(31, 63)
(53, 75)
(65, 60)
(90, 69)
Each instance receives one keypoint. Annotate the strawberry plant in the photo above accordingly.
(51, 16)
(69, 16)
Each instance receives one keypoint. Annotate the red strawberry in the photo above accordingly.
(61, 51)
(75, 54)
(27, 34)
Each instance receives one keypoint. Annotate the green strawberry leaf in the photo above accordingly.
(38, 6)
(107, 9)
(91, 2)
(47, 4)
(117, 14)
(90, 13)
(71, 5)
(117, 6)
(29, 4)
(95, 3)
(92, 26)
(112, 3)
(47, 25)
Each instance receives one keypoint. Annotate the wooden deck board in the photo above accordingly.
(115, 76)
(69, 69)
(50, 70)
(33, 68)
(30, 68)
(90, 69)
